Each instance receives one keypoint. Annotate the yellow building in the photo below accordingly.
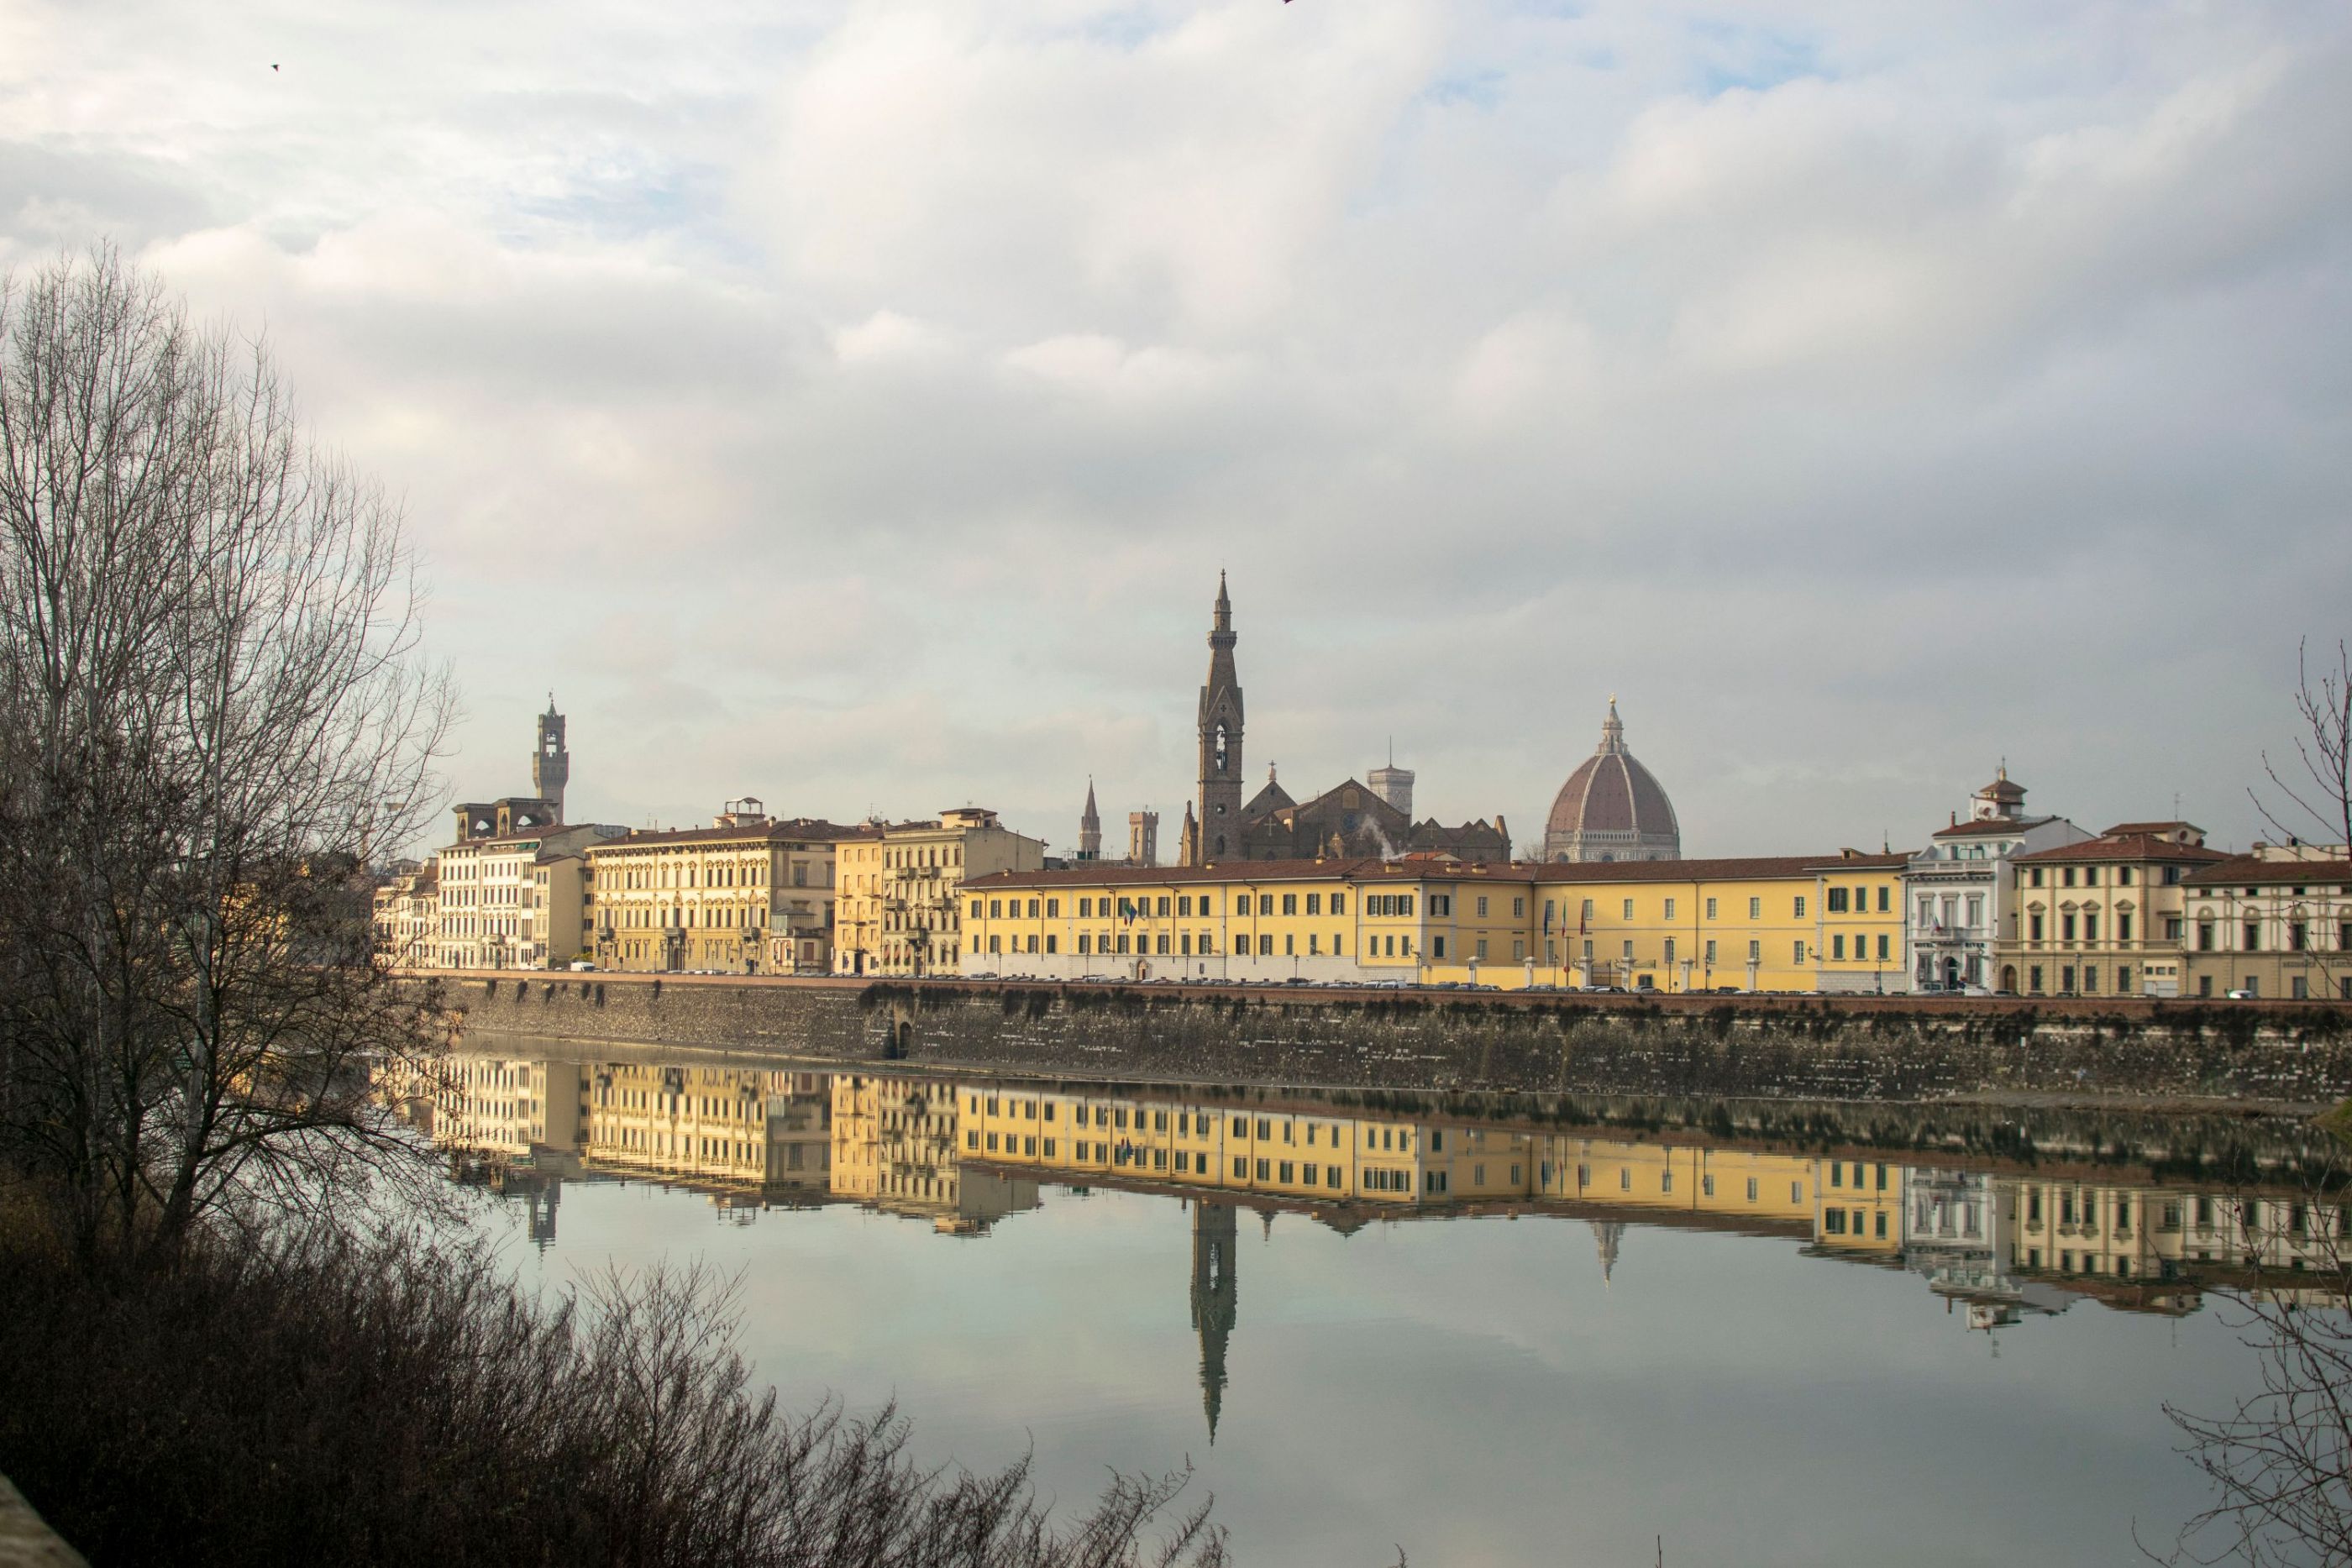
(725, 1126)
(1782, 924)
(2103, 917)
(2274, 924)
(894, 1149)
(408, 918)
(748, 895)
(496, 1105)
(899, 913)
(1796, 924)
(1302, 1155)
(1858, 1207)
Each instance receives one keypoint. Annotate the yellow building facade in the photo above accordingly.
(748, 895)
(721, 1126)
(1788, 924)
(899, 911)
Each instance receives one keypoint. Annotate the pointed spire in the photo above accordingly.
(1090, 826)
(1605, 1236)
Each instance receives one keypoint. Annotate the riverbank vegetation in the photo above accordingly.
(215, 724)
(318, 1397)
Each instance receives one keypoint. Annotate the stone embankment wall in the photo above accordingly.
(1819, 1048)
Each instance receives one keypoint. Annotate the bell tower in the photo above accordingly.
(1090, 828)
(1220, 832)
(551, 764)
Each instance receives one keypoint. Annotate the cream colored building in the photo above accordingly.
(2275, 923)
(748, 895)
(725, 1126)
(408, 918)
(894, 1149)
(899, 913)
(2103, 917)
(515, 901)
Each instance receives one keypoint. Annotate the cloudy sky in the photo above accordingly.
(853, 405)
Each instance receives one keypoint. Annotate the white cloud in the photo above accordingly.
(852, 402)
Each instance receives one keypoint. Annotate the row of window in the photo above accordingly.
(1381, 905)
(2079, 925)
(750, 873)
(2298, 936)
(1185, 943)
(1185, 907)
(2088, 876)
(1194, 1124)
(2079, 982)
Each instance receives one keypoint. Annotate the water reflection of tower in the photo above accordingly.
(1605, 1234)
(542, 1212)
(1213, 1299)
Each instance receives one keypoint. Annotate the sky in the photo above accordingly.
(853, 405)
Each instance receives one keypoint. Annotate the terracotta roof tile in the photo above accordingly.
(2247, 870)
(1760, 868)
(1988, 826)
(1101, 875)
(764, 832)
(2129, 847)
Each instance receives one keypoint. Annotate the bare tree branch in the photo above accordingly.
(214, 720)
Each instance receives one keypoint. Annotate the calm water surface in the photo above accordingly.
(1492, 1343)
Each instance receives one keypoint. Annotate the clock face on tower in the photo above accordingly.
(1221, 748)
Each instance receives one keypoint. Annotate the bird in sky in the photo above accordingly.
(273, 65)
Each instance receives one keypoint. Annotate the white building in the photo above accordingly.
(1956, 894)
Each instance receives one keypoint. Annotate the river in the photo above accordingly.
(1553, 1334)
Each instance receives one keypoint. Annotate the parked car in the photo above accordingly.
(2241, 996)
(583, 967)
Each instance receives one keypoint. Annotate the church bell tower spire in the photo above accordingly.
(1090, 828)
(1220, 832)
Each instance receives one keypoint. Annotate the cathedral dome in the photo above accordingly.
(1611, 808)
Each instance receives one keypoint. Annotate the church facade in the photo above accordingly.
(1351, 818)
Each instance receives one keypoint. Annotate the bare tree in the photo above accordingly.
(2314, 797)
(2320, 794)
(214, 719)
(2280, 1458)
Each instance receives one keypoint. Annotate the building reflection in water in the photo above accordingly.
(964, 1152)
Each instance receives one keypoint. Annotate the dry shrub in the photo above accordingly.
(320, 1397)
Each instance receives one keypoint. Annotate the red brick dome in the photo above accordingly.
(1612, 808)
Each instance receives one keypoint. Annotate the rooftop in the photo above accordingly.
(2253, 872)
(1987, 827)
(1438, 869)
(1749, 867)
(799, 827)
(2125, 847)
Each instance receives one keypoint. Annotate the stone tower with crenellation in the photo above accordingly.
(551, 764)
